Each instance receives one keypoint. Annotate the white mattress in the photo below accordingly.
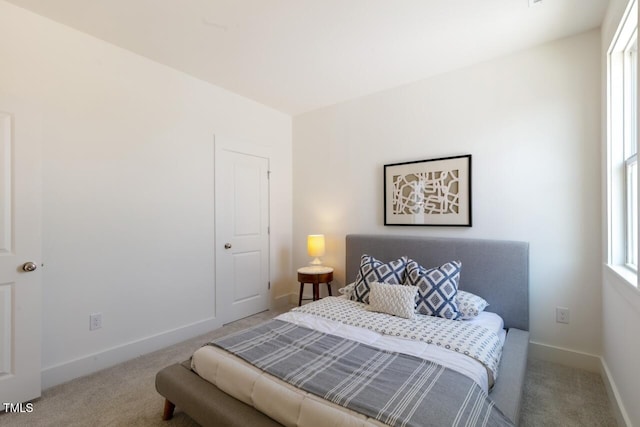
(293, 407)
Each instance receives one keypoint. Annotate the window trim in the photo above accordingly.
(631, 218)
(621, 112)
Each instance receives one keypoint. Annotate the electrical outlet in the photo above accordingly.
(562, 315)
(95, 321)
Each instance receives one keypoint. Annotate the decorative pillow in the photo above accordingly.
(437, 288)
(371, 270)
(470, 305)
(393, 299)
(347, 291)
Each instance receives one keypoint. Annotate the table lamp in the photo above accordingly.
(315, 248)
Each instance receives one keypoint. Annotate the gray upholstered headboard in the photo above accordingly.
(496, 270)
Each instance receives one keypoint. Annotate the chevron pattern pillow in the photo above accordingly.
(371, 270)
(437, 288)
(393, 299)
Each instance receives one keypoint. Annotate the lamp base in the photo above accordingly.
(316, 262)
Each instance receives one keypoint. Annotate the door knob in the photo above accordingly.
(227, 245)
(29, 266)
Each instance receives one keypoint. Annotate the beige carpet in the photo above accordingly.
(125, 395)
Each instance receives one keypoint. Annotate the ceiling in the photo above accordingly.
(300, 55)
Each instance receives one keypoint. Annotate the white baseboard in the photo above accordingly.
(614, 397)
(284, 301)
(293, 297)
(67, 371)
(565, 356)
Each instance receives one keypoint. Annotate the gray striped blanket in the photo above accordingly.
(393, 388)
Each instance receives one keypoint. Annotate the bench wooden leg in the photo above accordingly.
(167, 414)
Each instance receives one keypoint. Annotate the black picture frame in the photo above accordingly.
(432, 192)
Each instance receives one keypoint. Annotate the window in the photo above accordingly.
(631, 151)
(622, 94)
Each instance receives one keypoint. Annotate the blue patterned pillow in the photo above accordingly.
(437, 288)
(372, 270)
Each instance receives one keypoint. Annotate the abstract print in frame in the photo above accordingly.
(428, 192)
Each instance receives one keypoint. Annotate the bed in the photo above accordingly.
(498, 271)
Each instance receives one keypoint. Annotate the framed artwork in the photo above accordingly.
(428, 192)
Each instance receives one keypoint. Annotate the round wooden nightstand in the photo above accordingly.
(314, 275)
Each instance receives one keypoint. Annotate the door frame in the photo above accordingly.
(222, 142)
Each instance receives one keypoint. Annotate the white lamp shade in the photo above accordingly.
(315, 245)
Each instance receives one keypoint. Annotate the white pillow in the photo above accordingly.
(397, 300)
(470, 305)
(347, 291)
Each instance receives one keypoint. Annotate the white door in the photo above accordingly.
(20, 251)
(242, 229)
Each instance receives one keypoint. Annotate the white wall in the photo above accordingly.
(620, 301)
(128, 190)
(531, 122)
